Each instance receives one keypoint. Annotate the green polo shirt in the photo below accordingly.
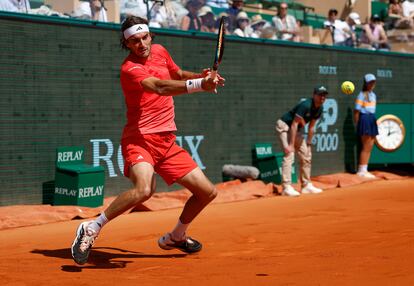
(305, 109)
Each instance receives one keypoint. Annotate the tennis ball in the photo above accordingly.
(347, 87)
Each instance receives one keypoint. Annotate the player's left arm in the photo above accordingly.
(175, 87)
(186, 75)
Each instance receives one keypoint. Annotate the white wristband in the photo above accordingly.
(194, 85)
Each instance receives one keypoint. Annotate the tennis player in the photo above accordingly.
(289, 129)
(150, 79)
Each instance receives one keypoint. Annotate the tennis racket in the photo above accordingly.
(219, 48)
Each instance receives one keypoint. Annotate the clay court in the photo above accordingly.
(359, 235)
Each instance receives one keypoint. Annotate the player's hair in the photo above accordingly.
(129, 22)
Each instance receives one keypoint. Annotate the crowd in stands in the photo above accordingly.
(401, 14)
(202, 15)
(19, 6)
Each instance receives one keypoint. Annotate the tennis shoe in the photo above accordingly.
(366, 175)
(311, 189)
(290, 191)
(188, 244)
(85, 237)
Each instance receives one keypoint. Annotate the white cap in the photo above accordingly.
(355, 16)
(204, 11)
(242, 15)
(369, 77)
(257, 19)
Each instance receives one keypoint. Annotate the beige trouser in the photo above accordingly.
(302, 149)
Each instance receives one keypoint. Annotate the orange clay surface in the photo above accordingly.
(357, 235)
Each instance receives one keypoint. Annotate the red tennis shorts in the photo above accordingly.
(169, 160)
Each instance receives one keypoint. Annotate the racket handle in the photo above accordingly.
(214, 74)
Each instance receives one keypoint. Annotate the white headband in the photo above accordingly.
(139, 28)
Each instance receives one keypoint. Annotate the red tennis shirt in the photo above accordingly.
(147, 112)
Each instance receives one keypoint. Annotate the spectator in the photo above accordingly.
(218, 3)
(332, 18)
(343, 32)
(257, 26)
(164, 16)
(395, 12)
(226, 22)
(286, 25)
(233, 11)
(290, 128)
(133, 8)
(192, 21)
(208, 20)
(366, 122)
(332, 24)
(168, 15)
(408, 8)
(243, 29)
(374, 36)
(91, 10)
(18, 6)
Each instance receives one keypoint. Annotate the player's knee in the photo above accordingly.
(213, 194)
(206, 196)
(140, 194)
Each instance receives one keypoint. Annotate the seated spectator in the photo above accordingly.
(373, 35)
(395, 12)
(168, 15)
(192, 21)
(243, 29)
(208, 20)
(408, 8)
(218, 3)
(226, 22)
(286, 25)
(91, 10)
(164, 16)
(331, 20)
(233, 11)
(343, 32)
(133, 8)
(257, 26)
(18, 6)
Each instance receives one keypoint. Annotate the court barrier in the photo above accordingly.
(28, 215)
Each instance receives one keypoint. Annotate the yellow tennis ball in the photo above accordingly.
(347, 87)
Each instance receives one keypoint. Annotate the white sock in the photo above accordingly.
(363, 168)
(99, 222)
(178, 232)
